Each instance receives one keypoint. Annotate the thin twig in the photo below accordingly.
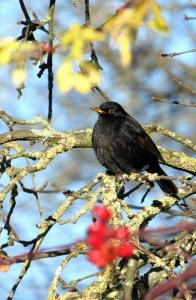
(37, 255)
(172, 54)
(192, 3)
(50, 56)
(72, 284)
(173, 102)
(105, 97)
(87, 13)
(187, 18)
(18, 280)
(14, 194)
(94, 57)
(181, 83)
(24, 10)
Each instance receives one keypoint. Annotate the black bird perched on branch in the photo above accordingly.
(122, 146)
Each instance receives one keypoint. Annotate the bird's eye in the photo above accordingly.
(111, 111)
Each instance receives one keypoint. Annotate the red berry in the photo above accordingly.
(99, 229)
(102, 213)
(98, 233)
(96, 258)
(125, 250)
(122, 233)
(94, 240)
(104, 255)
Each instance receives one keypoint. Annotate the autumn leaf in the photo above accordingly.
(12, 51)
(77, 37)
(7, 47)
(124, 25)
(19, 77)
(123, 29)
(82, 82)
(124, 41)
(158, 22)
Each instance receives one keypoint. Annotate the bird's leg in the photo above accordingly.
(120, 185)
(108, 172)
(120, 193)
(151, 185)
(123, 195)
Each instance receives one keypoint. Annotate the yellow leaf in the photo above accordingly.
(139, 12)
(91, 71)
(77, 37)
(77, 49)
(94, 77)
(158, 23)
(124, 44)
(89, 34)
(14, 51)
(69, 35)
(77, 31)
(123, 28)
(7, 46)
(132, 17)
(65, 78)
(82, 82)
(19, 77)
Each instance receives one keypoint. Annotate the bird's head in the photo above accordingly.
(109, 110)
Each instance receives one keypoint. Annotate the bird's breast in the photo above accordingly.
(105, 133)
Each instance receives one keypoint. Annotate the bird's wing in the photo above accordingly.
(136, 132)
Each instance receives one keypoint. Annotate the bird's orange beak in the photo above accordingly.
(98, 110)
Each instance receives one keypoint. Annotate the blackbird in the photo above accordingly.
(122, 146)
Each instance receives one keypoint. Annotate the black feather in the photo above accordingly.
(122, 146)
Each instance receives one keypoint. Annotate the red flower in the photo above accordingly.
(102, 213)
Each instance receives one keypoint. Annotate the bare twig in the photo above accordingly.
(14, 193)
(172, 54)
(100, 91)
(37, 255)
(192, 3)
(173, 102)
(172, 283)
(181, 83)
(94, 57)
(50, 55)
(187, 18)
(24, 10)
(72, 284)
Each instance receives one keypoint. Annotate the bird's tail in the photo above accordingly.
(167, 186)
